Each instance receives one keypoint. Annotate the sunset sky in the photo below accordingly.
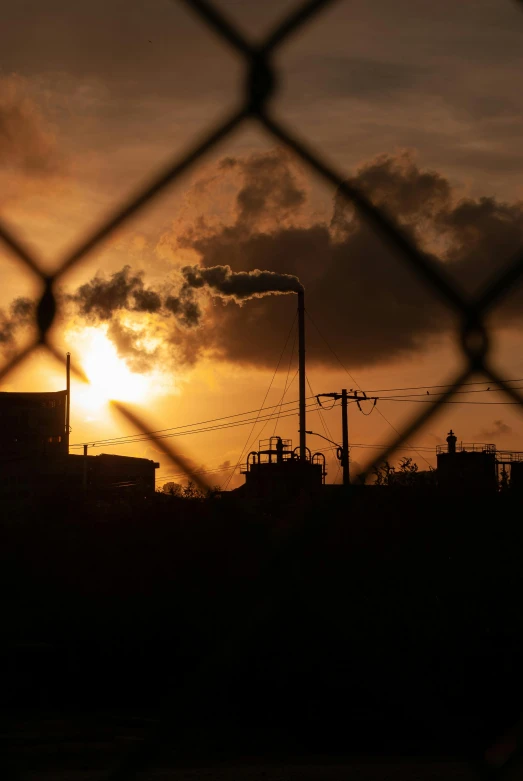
(419, 102)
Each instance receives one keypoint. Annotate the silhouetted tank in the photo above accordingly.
(275, 471)
(468, 468)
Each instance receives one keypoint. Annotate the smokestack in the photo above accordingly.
(301, 372)
(68, 399)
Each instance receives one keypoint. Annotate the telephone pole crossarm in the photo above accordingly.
(345, 395)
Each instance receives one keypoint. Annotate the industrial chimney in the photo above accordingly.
(301, 373)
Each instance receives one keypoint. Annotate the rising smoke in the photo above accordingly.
(20, 314)
(124, 291)
(105, 299)
(366, 299)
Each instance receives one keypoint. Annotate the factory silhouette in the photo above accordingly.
(285, 615)
(36, 462)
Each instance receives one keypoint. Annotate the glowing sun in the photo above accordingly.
(109, 376)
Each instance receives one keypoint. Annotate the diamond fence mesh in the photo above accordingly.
(261, 82)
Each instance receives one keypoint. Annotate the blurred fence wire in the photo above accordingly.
(260, 85)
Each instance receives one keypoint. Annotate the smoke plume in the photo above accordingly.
(359, 291)
(270, 241)
(100, 298)
(20, 314)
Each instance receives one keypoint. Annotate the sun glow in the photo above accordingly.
(109, 376)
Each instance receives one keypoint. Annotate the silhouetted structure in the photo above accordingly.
(277, 471)
(33, 424)
(35, 460)
(510, 470)
(516, 476)
(466, 468)
(102, 476)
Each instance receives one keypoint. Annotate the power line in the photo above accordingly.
(196, 472)
(151, 436)
(362, 445)
(286, 381)
(429, 387)
(264, 398)
(325, 426)
(206, 427)
(450, 401)
(353, 379)
(209, 429)
(92, 442)
(435, 395)
(260, 432)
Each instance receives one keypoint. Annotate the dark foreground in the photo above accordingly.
(188, 639)
(93, 745)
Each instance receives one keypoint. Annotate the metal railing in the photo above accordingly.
(468, 447)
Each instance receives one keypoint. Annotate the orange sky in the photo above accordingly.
(93, 97)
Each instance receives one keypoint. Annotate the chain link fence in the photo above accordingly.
(260, 85)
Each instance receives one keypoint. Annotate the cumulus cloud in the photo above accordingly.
(19, 315)
(372, 306)
(101, 297)
(360, 292)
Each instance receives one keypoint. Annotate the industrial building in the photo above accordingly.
(480, 469)
(33, 425)
(35, 459)
(275, 471)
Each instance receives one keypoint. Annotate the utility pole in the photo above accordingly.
(84, 475)
(345, 437)
(344, 396)
(68, 400)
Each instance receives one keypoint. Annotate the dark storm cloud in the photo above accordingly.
(362, 295)
(100, 298)
(19, 315)
(270, 187)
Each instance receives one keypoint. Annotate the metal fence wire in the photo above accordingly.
(260, 85)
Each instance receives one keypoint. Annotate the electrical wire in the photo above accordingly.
(265, 397)
(436, 395)
(358, 445)
(93, 442)
(132, 438)
(353, 379)
(325, 427)
(260, 432)
(286, 381)
(450, 401)
(429, 387)
(144, 438)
